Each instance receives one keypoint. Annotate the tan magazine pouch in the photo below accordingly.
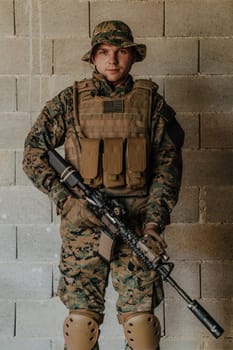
(90, 162)
(113, 175)
(136, 162)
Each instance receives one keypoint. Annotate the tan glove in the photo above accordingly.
(151, 232)
(77, 214)
(153, 240)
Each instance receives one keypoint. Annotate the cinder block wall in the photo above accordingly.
(190, 50)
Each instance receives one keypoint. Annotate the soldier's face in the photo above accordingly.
(113, 62)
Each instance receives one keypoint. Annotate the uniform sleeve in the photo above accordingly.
(48, 132)
(165, 164)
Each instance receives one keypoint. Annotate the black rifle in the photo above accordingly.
(111, 213)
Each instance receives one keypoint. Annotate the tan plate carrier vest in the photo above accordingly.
(109, 142)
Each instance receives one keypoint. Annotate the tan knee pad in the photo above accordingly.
(142, 330)
(81, 329)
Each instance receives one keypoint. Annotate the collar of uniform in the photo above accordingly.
(105, 88)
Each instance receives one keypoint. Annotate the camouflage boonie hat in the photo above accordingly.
(115, 33)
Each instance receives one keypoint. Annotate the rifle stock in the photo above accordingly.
(112, 214)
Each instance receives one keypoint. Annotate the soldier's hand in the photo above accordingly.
(76, 212)
(155, 238)
(154, 241)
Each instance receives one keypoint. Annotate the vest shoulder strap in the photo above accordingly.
(88, 85)
(146, 84)
(85, 85)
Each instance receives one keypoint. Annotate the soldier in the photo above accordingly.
(124, 139)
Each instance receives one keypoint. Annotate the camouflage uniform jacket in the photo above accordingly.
(49, 132)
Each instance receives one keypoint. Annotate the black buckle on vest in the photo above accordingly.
(115, 106)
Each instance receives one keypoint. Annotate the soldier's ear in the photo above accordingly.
(92, 59)
(92, 56)
(92, 63)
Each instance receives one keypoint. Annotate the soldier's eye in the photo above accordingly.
(102, 52)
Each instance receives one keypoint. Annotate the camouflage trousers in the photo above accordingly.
(84, 276)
